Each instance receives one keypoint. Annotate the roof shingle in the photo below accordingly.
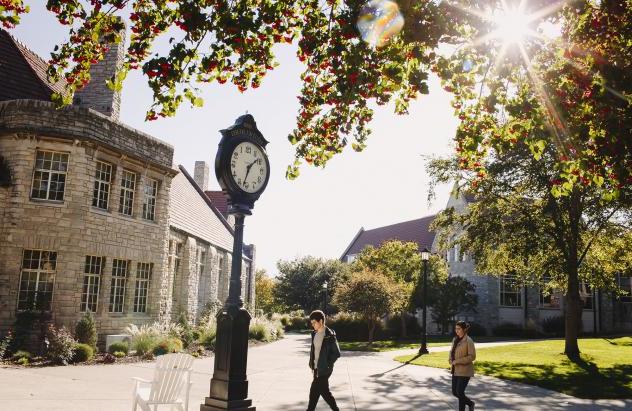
(23, 72)
(190, 213)
(417, 231)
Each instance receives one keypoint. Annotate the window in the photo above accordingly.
(201, 259)
(149, 200)
(175, 255)
(510, 292)
(143, 278)
(128, 185)
(102, 179)
(120, 269)
(625, 284)
(37, 280)
(91, 283)
(457, 253)
(586, 296)
(549, 298)
(49, 178)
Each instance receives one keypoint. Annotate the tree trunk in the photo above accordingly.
(404, 331)
(371, 331)
(572, 301)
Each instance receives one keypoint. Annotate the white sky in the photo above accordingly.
(320, 212)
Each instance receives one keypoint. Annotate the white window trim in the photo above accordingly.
(101, 182)
(51, 172)
(126, 193)
(500, 293)
(147, 199)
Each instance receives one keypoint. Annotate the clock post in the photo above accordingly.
(240, 151)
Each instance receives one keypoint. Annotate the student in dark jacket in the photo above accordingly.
(323, 354)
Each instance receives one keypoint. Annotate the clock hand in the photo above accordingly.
(248, 167)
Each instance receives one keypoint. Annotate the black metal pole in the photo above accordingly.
(424, 344)
(229, 385)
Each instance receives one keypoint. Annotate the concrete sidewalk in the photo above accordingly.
(279, 381)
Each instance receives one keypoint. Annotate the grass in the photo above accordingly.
(391, 345)
(603, 371)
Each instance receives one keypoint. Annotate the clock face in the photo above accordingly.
(248, 167)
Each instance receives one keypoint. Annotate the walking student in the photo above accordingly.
(324, 353)
(462, 356)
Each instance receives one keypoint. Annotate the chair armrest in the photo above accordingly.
(141, 380)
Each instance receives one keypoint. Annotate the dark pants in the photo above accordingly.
(458, 390)
(320, 387)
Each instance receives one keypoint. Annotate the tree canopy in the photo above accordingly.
(300, 283)
(517, 226)
(571, 91)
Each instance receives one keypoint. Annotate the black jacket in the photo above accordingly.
(329, 353)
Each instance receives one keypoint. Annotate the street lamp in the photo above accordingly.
(325, 288)
(425, 256)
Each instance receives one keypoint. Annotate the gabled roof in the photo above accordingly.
(192, 212)
(417, 231)
(23, 73)
(219, 200)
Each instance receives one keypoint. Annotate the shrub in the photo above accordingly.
(207, 334)
(86, 330)
(5, 344)
(20, 355)
(119, 354)
(555, 326)
(168, 345)
(23, 361)
(263, 329)
(186, 333)
(258, 331)
(508, 330)
(109, 358)
(352, 327)
(83, 352)
(144, 339)
(477, 330)
(394, 326)
(121, 346)
(60, 345)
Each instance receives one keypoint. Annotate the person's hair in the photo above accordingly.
(463, 325)
(317, 315)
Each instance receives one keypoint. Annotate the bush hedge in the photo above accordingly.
(86, 330)
(121, 346)
(168, 345)
(82, 353)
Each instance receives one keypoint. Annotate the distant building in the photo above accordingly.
(93, 214)
(501, 300)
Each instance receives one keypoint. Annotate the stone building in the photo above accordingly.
(502, 300)
(93, 214)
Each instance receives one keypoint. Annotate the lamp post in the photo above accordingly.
(425, 256)
(325, 306)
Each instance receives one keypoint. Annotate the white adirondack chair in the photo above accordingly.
(171, 377)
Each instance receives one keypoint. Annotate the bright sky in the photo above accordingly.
(320, 212)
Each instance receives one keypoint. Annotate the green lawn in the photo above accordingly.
(604, 371)
(390, 345)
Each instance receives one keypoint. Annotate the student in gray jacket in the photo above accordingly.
(323, 354)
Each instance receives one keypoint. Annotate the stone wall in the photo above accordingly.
(74, 229)
(83, 124)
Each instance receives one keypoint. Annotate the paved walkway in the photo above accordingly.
(279, 381)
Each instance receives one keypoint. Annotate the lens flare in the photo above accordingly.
(380, 21)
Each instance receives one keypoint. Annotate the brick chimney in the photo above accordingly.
(201, 174)
(96, 94)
